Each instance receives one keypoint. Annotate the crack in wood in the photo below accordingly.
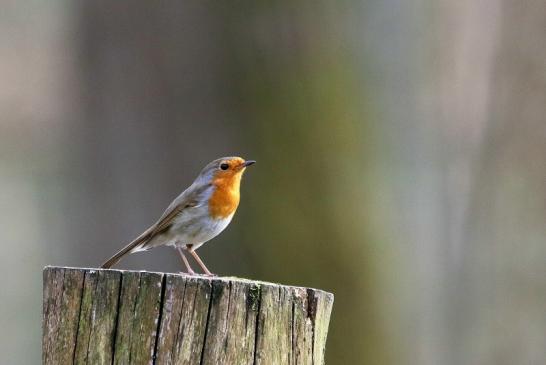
(207, 323)
(117, 320)
(159, 319)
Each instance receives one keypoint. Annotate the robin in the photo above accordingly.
(197, 215)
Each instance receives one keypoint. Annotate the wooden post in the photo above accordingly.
(93, 316)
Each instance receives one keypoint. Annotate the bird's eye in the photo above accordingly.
(224, 166)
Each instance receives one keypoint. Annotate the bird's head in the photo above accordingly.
(229, 171)
(225, 171)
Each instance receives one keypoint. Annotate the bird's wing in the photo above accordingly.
(167, 219)
(190, 198)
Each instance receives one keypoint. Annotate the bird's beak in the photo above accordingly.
(248, 163)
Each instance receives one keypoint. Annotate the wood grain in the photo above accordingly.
(126, 317)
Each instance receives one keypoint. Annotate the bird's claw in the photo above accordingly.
(193, 273)
(187, 273)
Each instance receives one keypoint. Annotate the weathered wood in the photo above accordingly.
(127, 317)
(62, 299)
(184, 326)
(136, 332)
(98, 317)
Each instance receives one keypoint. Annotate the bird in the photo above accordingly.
(197, 215)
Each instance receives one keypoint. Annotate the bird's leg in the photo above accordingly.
(200, 262)
(185, 261)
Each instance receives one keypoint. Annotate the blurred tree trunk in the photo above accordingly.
(303, 110)
(467, 186)
(505, 250)
(484, 269)
(461, 41)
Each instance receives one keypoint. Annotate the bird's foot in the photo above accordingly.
(188, 272)
(193, 273)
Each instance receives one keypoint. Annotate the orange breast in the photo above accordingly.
(225, 198)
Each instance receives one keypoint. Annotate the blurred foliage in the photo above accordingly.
(399, 148)
(306, 119)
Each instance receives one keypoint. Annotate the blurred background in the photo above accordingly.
(401, 159)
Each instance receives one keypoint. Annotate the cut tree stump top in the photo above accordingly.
(96, 316)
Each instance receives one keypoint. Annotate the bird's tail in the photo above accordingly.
(135, 245)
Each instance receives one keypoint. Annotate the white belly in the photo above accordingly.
(194, 227)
